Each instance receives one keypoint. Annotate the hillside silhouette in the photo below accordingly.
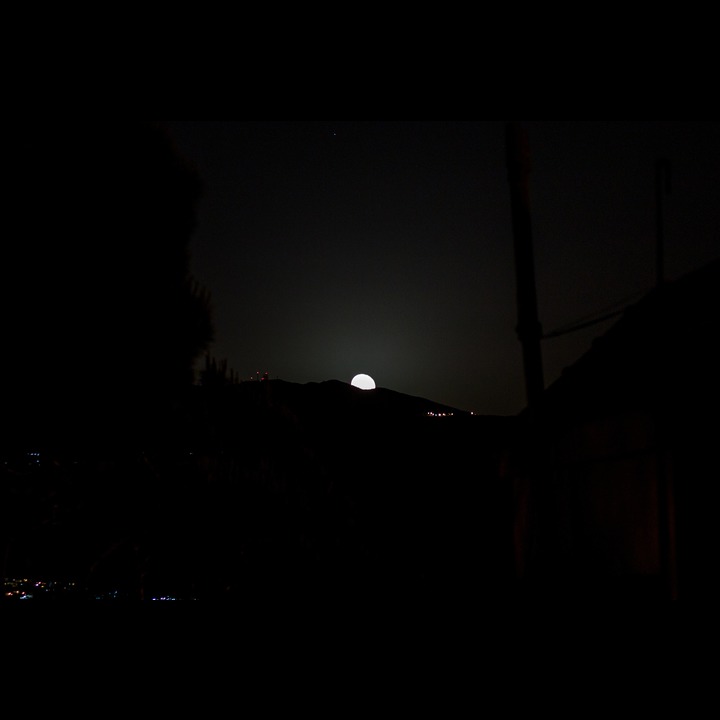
(280, 490)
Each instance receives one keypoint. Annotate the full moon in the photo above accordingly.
(364, 382)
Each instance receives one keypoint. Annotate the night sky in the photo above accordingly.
(386, 248)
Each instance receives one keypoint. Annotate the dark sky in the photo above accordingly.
(386, 248)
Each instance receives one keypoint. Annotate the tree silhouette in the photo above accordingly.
(104, 318)
(102, 322)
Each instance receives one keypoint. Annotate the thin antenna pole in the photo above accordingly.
(666, 500)
(662, 172)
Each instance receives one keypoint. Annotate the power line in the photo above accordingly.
(588, 320)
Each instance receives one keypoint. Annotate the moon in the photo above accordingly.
(364, 382)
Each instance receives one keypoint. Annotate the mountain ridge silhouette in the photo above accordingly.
(334, 395)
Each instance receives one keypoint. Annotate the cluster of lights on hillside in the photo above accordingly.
(431, 413)
(26, 589)
(30, 589)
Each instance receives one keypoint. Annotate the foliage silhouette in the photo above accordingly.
(105, 319)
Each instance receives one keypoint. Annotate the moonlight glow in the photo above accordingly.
(364, 382)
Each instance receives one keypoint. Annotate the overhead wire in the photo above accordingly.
(610, 311)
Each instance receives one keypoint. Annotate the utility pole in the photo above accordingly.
(528, 327)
